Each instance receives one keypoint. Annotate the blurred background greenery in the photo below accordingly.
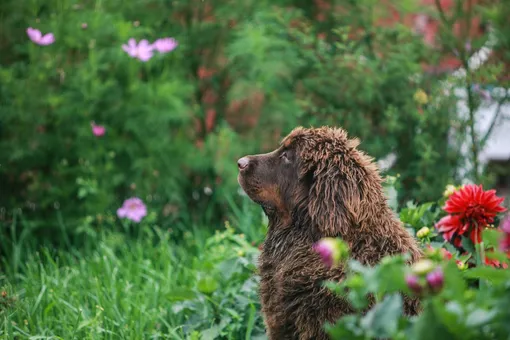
(243, 74)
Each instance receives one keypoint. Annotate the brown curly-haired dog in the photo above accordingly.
(317, 184)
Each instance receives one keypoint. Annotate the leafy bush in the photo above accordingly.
(238, 79)
(464, 290)
(89, 121)
(325, 73)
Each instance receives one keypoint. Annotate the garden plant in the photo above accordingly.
(121, 123)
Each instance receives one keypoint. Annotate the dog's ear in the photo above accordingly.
(345, 188)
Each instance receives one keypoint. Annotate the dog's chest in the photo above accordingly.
(276, 260)
(271, 283)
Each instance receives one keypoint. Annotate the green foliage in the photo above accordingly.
(153, 287)
(470, 303)
(241, 77)
(457, 312)
(375, 102)
(139, 282)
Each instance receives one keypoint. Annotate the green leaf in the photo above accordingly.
(207, 285)
(414, 215)
(454, 285)
(390, 274)
(345, 328)
(468, 245)
(382, 320)
(215, 331)
(491, 237)
(392, 196)
(229, 267)
(495, 275)
(358, 267)
(82, 192)
(181, 294)
(480, 317)
(429, 325)
(451, 315)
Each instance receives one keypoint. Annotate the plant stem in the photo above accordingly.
(480, 255)
(464, 58)
(475, 147)
(471, 122)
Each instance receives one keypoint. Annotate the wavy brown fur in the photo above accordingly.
(317, 184)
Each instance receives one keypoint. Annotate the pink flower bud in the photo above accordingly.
(332, 251)
(413, 283)
(435, 280)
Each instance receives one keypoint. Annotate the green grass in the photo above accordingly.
(144, 287)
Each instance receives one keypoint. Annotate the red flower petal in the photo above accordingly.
(451, 227)
(471, 209)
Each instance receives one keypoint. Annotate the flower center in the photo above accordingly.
(477, 214)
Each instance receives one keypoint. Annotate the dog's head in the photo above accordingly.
(315, 171)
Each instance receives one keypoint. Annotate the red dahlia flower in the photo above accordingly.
(471, 209)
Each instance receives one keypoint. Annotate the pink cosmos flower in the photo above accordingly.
(143, 51)
(133, 209)
(97, 130)
(165, 45)
(36, 36)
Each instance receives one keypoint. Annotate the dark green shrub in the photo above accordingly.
(240, 78)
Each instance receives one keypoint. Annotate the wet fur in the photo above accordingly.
(324, 186)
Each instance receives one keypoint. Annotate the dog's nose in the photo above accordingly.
(242, 163)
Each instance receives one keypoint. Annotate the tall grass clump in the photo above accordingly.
(150, 286)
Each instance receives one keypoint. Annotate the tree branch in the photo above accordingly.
(494, 121)
(442, 14)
